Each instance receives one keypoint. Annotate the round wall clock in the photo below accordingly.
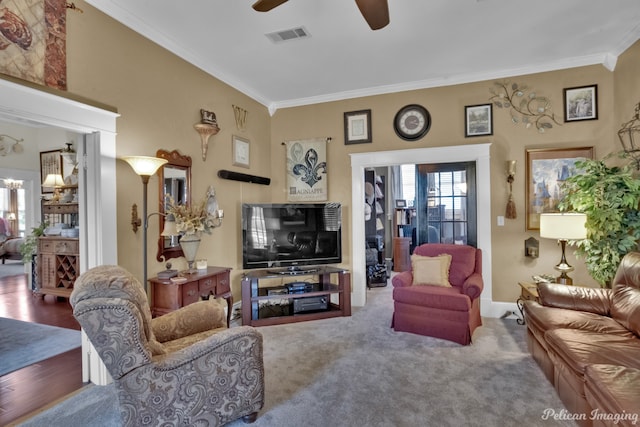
(412, 122)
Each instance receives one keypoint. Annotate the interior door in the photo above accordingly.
(446, 203)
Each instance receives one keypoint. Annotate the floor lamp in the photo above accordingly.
(145, 167)
(563, 227)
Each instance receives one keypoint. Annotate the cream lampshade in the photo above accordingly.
(144, 165)
(563, 227)
(170, 228)
(53, 180)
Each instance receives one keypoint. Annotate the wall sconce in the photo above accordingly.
(207, 127)
(11, 216)
(532, 247)
(629, 134)
(511, 175)
(55, 181)
(145, 167)
(563, 227)
(15, 147)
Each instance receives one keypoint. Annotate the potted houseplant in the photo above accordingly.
(29, 250)
(610, 196)
(30, 246)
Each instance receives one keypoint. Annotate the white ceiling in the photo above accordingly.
(428, 43)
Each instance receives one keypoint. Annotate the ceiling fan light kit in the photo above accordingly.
(375, 12)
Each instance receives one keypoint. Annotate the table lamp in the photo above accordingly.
(563, 227)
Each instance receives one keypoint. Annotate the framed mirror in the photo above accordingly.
(174, 179)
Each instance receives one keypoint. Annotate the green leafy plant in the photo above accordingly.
(30, 246)
(610, 197)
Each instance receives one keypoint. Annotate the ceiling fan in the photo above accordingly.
(375, 12)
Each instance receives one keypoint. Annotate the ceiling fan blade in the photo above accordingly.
(375, 12)
(267, 5)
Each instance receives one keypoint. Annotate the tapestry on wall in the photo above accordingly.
(307, 170)
(33, 41)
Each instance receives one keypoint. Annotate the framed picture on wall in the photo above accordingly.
(546, 170)
(240, 151)
(357, 127)
(50, 163)
(581, 103)
(478, 120)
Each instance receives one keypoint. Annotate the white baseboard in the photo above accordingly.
(500, 309)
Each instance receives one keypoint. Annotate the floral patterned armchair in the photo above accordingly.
(183, 368)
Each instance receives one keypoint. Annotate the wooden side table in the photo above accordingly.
(169, 296)
(528, 292)
(401, 255)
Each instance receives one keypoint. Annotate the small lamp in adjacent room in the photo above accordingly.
(55, 181)
(563, 227)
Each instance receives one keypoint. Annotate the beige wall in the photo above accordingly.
(509, 141)
(159, 97)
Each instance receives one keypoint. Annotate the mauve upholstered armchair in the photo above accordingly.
(448, 312)
(183, 368)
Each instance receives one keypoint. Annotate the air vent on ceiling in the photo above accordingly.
(291, 34)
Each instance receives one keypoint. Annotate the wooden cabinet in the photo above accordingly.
(58, 265)
(168, 295)
(401, 254)
(255, 297)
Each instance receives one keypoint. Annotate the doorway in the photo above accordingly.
(478, 153)
(97, 198)
(446, 203)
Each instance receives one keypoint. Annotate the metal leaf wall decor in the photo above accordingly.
(525, 105)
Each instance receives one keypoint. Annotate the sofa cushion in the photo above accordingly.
(626, 307)
(542, 318)
(448, 298)
(580, 298)
(577, 349)
(431, 270)
(614, 391)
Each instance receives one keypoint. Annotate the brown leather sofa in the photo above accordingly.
(587, 342)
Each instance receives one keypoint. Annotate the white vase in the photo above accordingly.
(189, 244)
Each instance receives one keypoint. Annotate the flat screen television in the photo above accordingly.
(291, 235)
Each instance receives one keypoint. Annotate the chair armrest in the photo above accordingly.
(473, 286)
(403, 279)
(579, 298)
(221, 343)
(191, 319)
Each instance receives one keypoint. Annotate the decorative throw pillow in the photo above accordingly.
(432, 271)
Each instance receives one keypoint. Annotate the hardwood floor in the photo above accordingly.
(25, 390)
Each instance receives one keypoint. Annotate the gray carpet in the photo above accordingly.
(356, 371)
(23, 343)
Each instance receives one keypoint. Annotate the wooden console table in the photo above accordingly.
(168, 296)
(253, 295)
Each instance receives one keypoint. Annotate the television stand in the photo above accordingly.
(280, 302)
(293, 271)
